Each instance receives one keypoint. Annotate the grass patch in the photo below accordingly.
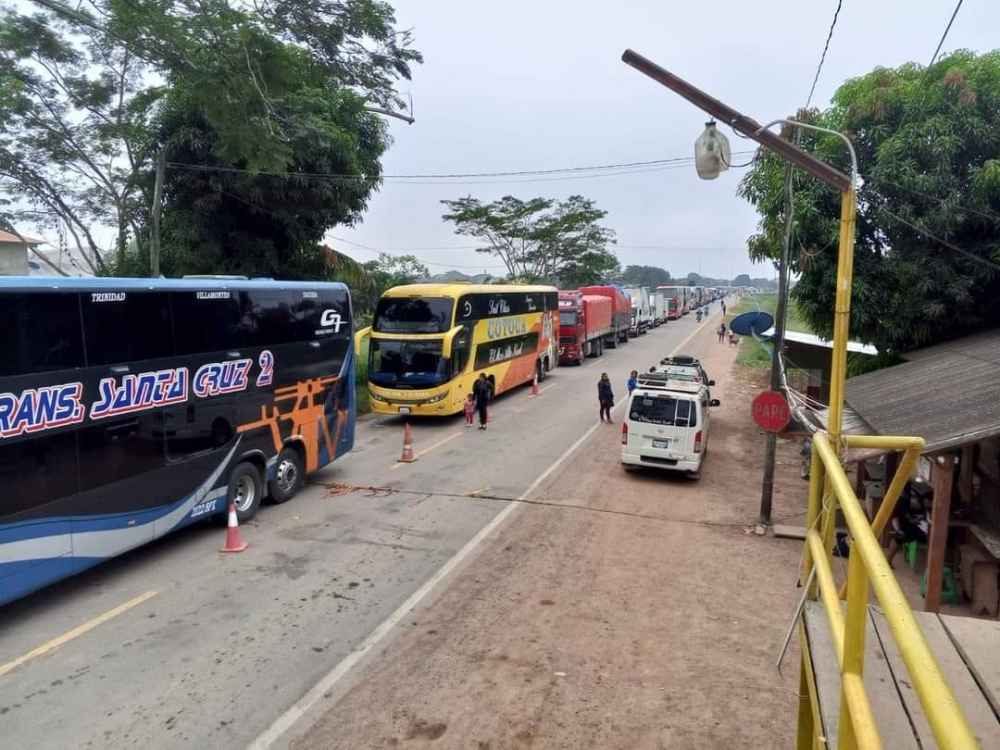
(769, 304)
(751, 354)
(363, 400)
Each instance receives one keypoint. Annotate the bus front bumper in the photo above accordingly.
(437, 404)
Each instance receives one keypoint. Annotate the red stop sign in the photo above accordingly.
(770, 411)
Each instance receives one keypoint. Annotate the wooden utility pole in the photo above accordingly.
(767, 486)
(154, 217)
(941, 480)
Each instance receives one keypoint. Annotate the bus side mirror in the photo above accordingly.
(359, 339)
(715, 402)
(449, 341)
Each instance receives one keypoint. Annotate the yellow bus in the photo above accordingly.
(429, 342)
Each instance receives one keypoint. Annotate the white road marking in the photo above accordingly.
(287, 720)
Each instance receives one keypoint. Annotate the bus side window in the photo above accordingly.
(37, 471)
(205, 325)
(131, 329)
(273, 316)
(325, 316)
(460, 350)
(40, 332)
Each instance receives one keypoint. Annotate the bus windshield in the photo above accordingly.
(414, 364)
(567, 318)
(669, 293)
(413, 315)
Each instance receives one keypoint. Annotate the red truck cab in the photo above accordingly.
(571, 327)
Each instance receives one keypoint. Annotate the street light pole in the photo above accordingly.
(831, 176)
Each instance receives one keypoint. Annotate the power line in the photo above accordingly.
(984, 214)
(630, 167)
(822, 57)
(945, 243)
(927, 70)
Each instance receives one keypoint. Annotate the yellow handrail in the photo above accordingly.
(868, 565)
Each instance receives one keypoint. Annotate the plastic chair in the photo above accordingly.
(949, 586)
(910, 553)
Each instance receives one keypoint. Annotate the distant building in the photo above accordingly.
(14, 254)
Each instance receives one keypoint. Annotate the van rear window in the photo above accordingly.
(663, 410)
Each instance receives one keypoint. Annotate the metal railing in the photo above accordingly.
(829, 488)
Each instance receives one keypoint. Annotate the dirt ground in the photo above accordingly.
(616, 610)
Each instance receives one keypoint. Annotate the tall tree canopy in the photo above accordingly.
(542, 239)
(927, 257)
(89, 96)
(651, 276)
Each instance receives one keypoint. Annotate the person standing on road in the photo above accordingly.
(482, 391)
(470, 409)
(721, 330)
(723, 308)
(605, 396)
(633, 381)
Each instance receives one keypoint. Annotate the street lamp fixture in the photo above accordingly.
(712, 155)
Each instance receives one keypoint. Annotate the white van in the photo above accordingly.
(666, 424)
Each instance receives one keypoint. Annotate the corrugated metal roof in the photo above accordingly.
(811, 339)
(948, 394)
(8, 237)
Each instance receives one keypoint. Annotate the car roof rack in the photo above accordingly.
(661, 381)
(680, 359)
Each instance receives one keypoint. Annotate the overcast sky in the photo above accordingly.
(539, 84)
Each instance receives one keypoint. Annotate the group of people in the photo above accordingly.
(479, 401)
(606, 396)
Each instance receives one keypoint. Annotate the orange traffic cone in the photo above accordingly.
(534, 385)
(407, 456)
(234, 542)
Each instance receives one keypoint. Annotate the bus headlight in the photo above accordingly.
(375, 397)
(439, 397)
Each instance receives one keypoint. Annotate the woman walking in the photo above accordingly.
(605, 396)
(481, 391)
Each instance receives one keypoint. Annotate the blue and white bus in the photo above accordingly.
(133, 407)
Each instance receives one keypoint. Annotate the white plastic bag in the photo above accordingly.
(711, 153)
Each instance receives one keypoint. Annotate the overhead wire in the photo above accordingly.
(927, 70)
(942, 242)
(622, 168)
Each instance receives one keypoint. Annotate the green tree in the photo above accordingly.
(87, 98)
(742, 280)
(542, 239)
(384, 273)
(651, 276)
(219, 218)
(928, 225)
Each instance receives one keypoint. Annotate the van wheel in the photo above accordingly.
(245, 490)
(288, 477)
(694, 475)
(539, 371)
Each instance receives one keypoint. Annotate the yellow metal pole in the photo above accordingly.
(816, 475)
(853, 663)
(947, 722)
(842, 313)
(828, 593)
(885, 511)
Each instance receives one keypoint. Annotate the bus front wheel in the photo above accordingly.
(288, 475)
(245, 491)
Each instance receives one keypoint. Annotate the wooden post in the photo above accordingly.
(941, 480)
(965, 473)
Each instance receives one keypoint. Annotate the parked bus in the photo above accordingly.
(429, 343)
(132, 407)
(678, 300)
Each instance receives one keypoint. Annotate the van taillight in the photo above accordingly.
(697, 442)
(624, 433)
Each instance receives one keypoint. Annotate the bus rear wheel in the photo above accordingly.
(288, 475)
(245, 490)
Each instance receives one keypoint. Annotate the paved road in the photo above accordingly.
(227, 643)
